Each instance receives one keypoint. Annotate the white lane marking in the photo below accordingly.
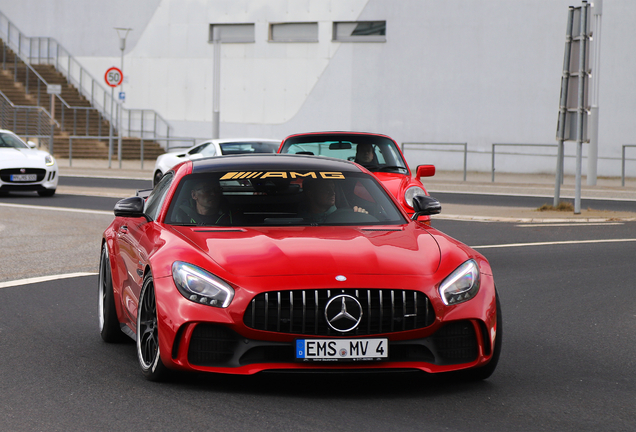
(57, 209)
(42, 279)
(554, 243)
(106, 177)
(547, 225)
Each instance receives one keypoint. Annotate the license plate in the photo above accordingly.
(23, 177)
(341, 349)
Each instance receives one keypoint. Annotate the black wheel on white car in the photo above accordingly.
(108, 323)
(156, 178)
(46, 192)
(148, 352)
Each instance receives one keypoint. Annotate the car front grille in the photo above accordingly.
(5, 174)
(303, 311)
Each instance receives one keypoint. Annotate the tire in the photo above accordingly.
(109, 327)
(484, 372)
(156, 178)
(148, 352)
(46, 192)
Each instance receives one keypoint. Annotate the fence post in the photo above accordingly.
(493, 164)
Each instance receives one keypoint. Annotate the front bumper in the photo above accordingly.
(203, 338)
(46, 179)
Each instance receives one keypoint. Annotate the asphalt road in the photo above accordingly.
(567, 363)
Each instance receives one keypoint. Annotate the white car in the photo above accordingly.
(24, 168)
(215, 147)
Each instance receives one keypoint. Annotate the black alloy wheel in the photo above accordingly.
(148, 352)
(109, 327)
(484, 372)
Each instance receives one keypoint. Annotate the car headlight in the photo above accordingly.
(461, 285)
(411, 192)
(49, 160)
(200, 286)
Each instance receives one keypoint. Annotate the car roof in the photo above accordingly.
(272, 161)
(337, 133)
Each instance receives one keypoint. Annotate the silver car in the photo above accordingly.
(215, 147)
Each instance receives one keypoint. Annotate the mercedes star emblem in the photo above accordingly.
(343, 313)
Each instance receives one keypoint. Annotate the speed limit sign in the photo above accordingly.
(114, 77)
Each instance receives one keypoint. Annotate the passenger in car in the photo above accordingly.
(321, 200)
(206, 205)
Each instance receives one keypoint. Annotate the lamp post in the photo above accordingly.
(123, 34)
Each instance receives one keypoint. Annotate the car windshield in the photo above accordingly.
(10, 140)
(375, 153)
(280, 198)
(229, 148)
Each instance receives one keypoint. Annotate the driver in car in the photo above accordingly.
(365, 155)
(206, 206)
(321, 200)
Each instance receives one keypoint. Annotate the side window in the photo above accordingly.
(157, 196)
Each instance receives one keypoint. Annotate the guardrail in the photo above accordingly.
(464, 145)
(517, 154)
(26, 121)
(623, 162)
(45, 50)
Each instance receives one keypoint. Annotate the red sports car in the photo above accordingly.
(379, 154)
(241, 264)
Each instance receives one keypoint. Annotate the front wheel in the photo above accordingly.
(484, 372)
(148, 352)
(46, 192)
(108, 323)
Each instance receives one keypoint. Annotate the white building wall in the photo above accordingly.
(474, 71)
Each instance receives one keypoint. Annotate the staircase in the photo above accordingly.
(75, 116)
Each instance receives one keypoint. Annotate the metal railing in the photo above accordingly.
(44, 50)
(623, 162)
(517, 154)
(27, 121)
(464, 145)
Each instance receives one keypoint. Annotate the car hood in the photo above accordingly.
(22, 158)
(289, 251)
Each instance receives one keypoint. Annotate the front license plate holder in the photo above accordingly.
(341, 350)
(23, 177)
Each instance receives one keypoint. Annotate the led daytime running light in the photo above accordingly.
(200, 286)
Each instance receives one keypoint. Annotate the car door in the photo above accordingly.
(132, 239)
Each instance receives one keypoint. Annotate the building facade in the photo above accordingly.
(426, 71)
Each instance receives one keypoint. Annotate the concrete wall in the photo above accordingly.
(475, 71)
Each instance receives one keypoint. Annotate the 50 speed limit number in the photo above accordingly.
(114, 77)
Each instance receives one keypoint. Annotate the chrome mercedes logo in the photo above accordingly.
(343, 313)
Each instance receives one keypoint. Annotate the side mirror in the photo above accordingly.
(130, 207)
(425, 205)
(425, 171)
(32, 144)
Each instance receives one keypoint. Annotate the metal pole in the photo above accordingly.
(581, 108)
(563, 109)
(216, 85)
(592, 150)
(623, 166)
(118, 136)
(493, 164)
(465, 159)
(110, 132)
